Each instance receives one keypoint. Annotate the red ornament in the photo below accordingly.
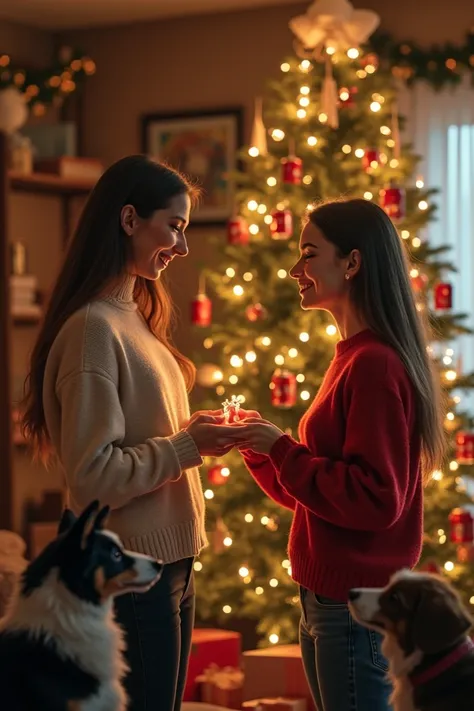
(465, 447)
(465, 553)
(292, 170)
(283, 388)
(392, 200)
(237, 231)
(369, 60)
(443, 296)
(371, 160)
(218, 475)
(282, 224)
(461, 526)
(256, 312)
(347, 97)
(430, 567)
(201, 310)
(419, 281)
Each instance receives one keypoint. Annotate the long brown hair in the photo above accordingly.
(97, 255)
(382, 294)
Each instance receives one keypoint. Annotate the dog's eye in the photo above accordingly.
(394, 597)
(116, 555)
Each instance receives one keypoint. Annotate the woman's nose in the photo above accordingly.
(181, 246)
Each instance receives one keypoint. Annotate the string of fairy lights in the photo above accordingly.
(261, 217)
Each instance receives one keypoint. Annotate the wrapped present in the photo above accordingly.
(276, 672)
(278, 704)
(221, 686)
(211, 648)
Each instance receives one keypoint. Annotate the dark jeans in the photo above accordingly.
(158, 628)
(344, 665)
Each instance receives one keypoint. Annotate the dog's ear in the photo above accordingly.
(440, 619)
(101, 518)
(85, 524)
(68, 519)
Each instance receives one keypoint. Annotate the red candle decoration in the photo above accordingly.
(347, 97)
(237, 231)
(371, 160)
(292, 170)
(443, 296)
(217, 475)
(283, 388)
(282, 224)
(465, 447)
(256, 312)
(461, 526)
(392, 200)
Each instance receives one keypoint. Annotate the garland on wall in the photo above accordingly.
(438, 65)
(49, 86)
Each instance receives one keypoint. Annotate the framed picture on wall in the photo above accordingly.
(203, 145)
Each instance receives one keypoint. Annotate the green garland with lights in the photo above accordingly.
(438, 65)
(49, 86)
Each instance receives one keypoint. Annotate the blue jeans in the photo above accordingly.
(343, 662)
(158, 627)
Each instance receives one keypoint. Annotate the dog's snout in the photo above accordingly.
(354, 595)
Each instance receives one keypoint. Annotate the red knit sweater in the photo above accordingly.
(354, 482)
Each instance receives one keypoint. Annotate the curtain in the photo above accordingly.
(440, 126)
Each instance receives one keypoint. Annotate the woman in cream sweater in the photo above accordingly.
(107, 395)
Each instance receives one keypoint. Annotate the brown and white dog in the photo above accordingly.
(426, 642)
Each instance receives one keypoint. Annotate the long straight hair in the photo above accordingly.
(383, 296)
(98, 254)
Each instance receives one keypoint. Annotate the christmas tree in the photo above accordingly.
(327, 127)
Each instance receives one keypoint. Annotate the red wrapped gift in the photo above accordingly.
(210, 647)
(221, 686)
(276, 672)
(278, 704)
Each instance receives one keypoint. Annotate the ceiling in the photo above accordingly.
(68, 14)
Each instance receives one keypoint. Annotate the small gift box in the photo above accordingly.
(221, 686)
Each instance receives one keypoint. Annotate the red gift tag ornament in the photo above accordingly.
(392, 201)
(443, 296)
(283, 388)
(465, 447)
(237, 231)
(292, 170)
(461, 526)
(282, 224)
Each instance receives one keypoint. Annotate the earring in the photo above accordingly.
(347, 276)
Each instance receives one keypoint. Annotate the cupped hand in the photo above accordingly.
(213, 438)
(257, 435)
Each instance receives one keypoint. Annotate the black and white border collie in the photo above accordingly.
(426, 640)
(60, 648)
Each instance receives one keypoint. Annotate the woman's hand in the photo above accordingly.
(212, 437)
(257, 434)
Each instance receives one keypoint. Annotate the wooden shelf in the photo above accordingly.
(49, 184)
(26, 319)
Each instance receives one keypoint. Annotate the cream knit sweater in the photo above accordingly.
(115, 403)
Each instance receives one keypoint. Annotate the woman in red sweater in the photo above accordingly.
(373, 431)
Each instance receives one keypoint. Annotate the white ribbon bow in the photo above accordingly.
(334, 23)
